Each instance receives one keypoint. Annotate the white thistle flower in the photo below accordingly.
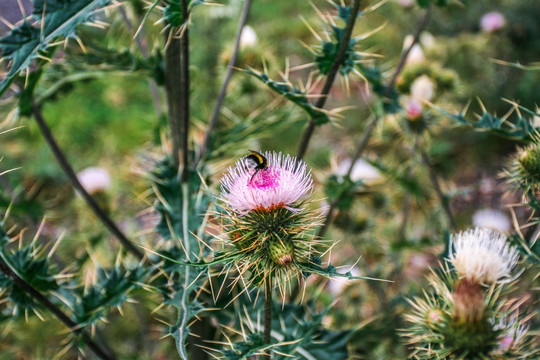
(482, 256)
(492, 21)
(94, 179)
(416, 55)
(248, 38)
(286, 182)
(492, 219)
(362, 170)
(423, 89)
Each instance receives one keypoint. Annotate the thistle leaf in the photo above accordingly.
(293, 94)
(56, 19)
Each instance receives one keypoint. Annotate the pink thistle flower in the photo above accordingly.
(285, 182)
(492, 21)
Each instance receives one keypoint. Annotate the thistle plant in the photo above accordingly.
(211, 260)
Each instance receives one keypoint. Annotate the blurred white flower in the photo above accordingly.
(248, 38)
(423, 89)
(482, 256)
(362, 170)
(416, 55)
(536, 117)
(427, 40)
(492, 219)
(337, 285)
(94, 179)
(405, 3)
(492, 21)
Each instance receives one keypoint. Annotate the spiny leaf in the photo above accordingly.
(56, 19)
(293, 94)
(521, 129)
(111, 290)
(35, 271)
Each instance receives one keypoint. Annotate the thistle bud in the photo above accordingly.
(281, 251)
(529, 158)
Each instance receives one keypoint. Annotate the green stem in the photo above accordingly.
(437, 186)
(267, 314)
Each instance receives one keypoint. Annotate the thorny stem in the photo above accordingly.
(401, 64)
(68, 170)
(184, 90)
(308, 133)
(267, 314)
(73, 326)
(357, 154)
(437, 186)
(223, 91)
(174, 93)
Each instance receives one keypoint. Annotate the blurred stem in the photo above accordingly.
(401, 64)
(437, 186)
(372, 121)
(68, 170)
(223, 91)
(267, 314)
(340, 56)
(405, 210)
(73, 326)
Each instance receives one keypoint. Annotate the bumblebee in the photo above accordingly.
(257, 161)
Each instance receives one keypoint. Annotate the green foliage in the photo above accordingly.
(110, 290)
(341, 190)
(35, 271)
(297, 331)
(329, 51)
(56, 20)
(173, 11)
(295, 95)
(520, 128)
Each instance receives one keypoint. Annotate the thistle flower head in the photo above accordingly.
(248, 38)
(491, 219)
(285, 183)
(492, 21)
(482, 256)
(423, 89)
(94, 179)
(266, 219)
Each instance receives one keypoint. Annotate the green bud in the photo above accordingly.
(281, 251)
(529, 159)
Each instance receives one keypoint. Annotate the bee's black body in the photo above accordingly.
(257, 161)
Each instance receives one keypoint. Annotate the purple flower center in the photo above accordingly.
(266, 179)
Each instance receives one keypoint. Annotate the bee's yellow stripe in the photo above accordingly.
(261, 160)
